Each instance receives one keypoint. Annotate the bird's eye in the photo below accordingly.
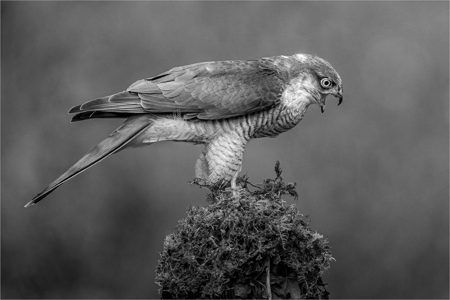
(326, 83)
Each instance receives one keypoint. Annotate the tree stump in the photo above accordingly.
(245, 244)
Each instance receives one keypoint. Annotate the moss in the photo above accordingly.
(229, 248)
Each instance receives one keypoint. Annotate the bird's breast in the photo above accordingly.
(275, 121)
(265, 123)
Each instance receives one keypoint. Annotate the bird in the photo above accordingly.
(219, 104)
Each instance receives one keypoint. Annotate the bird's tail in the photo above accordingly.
(115, 142)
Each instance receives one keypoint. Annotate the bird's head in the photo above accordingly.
(323, 78)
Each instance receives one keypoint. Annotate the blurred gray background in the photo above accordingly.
(372, 174)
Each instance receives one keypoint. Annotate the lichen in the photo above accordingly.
(224, 250)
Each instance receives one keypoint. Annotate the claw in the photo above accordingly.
(322, 108)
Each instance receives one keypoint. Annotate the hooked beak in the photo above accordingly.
(340, 99)
(340, 95)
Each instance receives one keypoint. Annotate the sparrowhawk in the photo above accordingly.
(221, 104)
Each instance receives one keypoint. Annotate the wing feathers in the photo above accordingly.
(211, 90)
(144, 86)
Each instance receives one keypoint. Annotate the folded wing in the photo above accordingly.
(211, 90)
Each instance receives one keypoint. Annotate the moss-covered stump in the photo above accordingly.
(242, 242)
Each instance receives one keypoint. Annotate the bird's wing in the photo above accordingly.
(210, 90)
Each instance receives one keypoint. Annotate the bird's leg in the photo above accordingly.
(201, 167)
(223, 158)
(234, 186)
(233, 183)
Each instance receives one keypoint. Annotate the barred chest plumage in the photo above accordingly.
(272, 122)
(267, 123)
(225, 140)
